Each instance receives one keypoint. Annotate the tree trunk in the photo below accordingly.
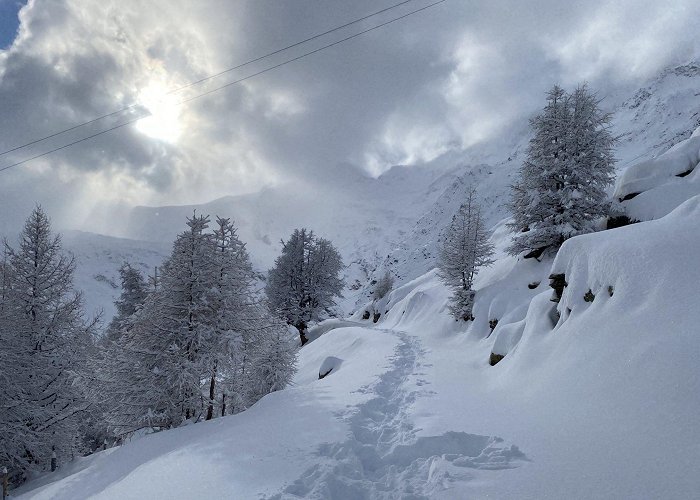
(212, 386)
(301, 326)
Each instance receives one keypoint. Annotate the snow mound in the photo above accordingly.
(326, 326)
(330, 365)
(651, 189)
(641, 269)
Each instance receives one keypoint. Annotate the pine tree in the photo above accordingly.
(185, 285)
(560, 192)
(134, 374)
(45, 342)
(303, 284)
(464, 249)
(232, 306)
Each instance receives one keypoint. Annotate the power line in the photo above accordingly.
(148, 113)
(311, 52)
(7, 167)
(296, 44)
(210, 77)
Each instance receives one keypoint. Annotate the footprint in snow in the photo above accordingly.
(383, 458)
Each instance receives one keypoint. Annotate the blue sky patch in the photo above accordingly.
(9, 21)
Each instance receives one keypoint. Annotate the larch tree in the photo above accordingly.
(45, 342)
(202, 344)
(305, 281)
(464, 249)
(133, 295)
(561, 189)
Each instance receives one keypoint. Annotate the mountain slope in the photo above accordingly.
(649, 120)
(590, 396)
(596, 404)
(98, 259)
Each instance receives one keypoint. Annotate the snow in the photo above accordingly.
(253, 453)
(591, 399)
(98, 259)
(601, 405)
(663, 183)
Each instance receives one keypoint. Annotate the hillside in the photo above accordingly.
(593, 396)
(98, 259)
(392, 222)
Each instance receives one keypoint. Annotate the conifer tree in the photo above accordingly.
(464, 249)
(274, 361)
(44, 344)
(560, 192)
(133, 296)
(305, 280)
(194, 350)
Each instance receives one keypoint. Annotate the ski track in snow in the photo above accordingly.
(383, 459)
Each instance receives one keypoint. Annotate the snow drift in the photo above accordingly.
(652, 189)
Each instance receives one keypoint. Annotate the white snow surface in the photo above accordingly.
(98, 259)
(592, 399)
(661, 184)
(602, 404)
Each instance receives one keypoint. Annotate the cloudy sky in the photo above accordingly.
(446, 78)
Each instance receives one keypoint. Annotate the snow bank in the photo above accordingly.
(252, 454)
(603, 399)
(644, 267)
(653, 188)
(326, 326)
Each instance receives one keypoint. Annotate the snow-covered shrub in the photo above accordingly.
(383, 286)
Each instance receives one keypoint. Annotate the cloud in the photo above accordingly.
(448, 78)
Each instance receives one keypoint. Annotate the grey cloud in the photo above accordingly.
(444, 79)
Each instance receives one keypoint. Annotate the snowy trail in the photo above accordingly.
(382, 458)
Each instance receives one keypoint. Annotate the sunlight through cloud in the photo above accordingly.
(164, 121)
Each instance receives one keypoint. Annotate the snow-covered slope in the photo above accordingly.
(594, 396)
(651, 189)
(649, 120)
(98, 259)
(600, 405)
(603, 400)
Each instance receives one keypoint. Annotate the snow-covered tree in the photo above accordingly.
(561, 189)
(273, 361)
(232, 309)
(305, 280)
(193, 350)
(133, 296)
(464, 249)
(44, 342)
(183, 314)
(151, 376)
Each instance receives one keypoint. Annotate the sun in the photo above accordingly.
(164, 122)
